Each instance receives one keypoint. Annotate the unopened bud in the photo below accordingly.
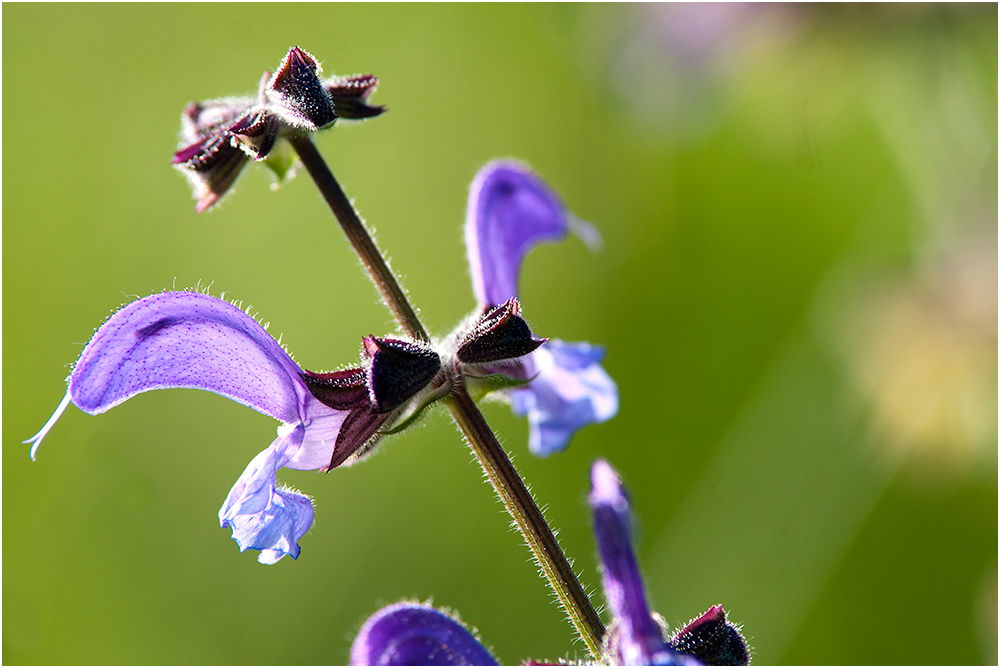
(500, 334)
(713, 640)
(398, 370)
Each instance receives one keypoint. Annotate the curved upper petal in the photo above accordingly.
(187, 340)
(570, 390)
(192, 340)
(411, 634)
(510, 211)
(640, 639)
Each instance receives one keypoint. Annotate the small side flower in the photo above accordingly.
(636, 636)
(510, 211)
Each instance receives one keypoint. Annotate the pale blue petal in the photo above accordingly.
(570, 390)
(262, 516)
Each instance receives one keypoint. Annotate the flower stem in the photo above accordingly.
(491, 455)
(522, 507)
(360, 238)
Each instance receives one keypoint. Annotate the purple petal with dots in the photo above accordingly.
(187, 340)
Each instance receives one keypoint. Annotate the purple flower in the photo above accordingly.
(636, 636)
(510, 211)
(414, 634)
(417, 634)
(220, 136)
(193, 340)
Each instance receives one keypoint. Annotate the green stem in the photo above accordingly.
(491, 455)
(522, 507)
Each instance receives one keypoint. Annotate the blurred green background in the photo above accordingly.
(797, 295)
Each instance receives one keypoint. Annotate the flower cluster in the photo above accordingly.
(330, 419)
(193, 340)
(418, 634)
(221, 135)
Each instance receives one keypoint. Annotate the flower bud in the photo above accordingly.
(218, 137)
(713, 640)
(297, 93)
(500, 334)
(397, 370)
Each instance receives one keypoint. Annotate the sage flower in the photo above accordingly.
(510, 211)
(220, 136)
(194, 340)
(636, 635)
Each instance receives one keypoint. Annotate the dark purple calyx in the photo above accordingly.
(350, 96)
(713, 640)
(300, 89)
(342, 390)
(256, 131)
(398, 370)
(499, 334)
(347, 390)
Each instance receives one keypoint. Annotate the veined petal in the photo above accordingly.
(253, 490)
(510, 211)
(410, 634)
(262, 516)
(187, 340)
(192, 340)
(570, 390)
(640, 639)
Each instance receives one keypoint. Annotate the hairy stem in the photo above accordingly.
(497, 466)
(528, 517)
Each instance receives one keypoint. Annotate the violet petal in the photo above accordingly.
(187, 340)
(640, 640)
(409, 634)
(510, 211)
(192, 340)
(570, 390)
